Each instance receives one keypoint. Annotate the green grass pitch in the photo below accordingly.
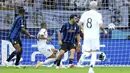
(72, 70)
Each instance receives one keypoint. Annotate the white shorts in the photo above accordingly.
(46, 50)
(90, 44)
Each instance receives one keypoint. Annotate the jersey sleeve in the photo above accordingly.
(63, 28)
(100, 19)
(78, 30)
(82, 19)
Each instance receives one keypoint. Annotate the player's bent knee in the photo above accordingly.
(77, 49)
(18, 50)
(17, 47)
(62, 52)
(72, 50)
(55, 51)
(52, 56)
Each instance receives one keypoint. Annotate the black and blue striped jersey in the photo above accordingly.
(69, 32)
(16, 28)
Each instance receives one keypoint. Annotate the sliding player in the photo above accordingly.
(47, 50)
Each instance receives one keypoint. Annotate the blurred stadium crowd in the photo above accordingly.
(56, 12)
(71, 5)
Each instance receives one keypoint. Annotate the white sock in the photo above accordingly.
(83, 56)
(48, 60)
(93, 59)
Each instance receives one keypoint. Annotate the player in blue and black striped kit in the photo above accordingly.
(70, 31)
(14, 37)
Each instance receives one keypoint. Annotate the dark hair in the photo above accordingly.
(72, 16)
(21, 10)
(43, 24)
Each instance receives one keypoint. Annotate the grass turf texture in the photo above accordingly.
(72, 70)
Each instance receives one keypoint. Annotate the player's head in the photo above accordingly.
(73, 18)
(77, 20)
(21, 11)
(43, 25)
(93, 5)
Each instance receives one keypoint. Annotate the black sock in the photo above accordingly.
(71, 61)
(11, 56)
(58, 62)
(18, 58)
(55, 62)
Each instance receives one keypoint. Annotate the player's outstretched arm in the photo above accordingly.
(80, 25)
(102, 28)
(44, 38)
(26, 33)
(63, 28)
(59, 38)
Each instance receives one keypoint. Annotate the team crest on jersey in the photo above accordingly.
(71, 30)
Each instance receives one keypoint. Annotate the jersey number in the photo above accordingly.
(89, 23)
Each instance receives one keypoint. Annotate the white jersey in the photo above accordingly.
(42, 42)
(91, 20)
(43, 47)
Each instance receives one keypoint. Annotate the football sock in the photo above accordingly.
(18, 56)
(49, 60)
(58, 62)
(85, 54)
(71, 61)
(93, 59)
(11, 56)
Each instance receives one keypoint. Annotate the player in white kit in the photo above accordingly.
(47, 50)
(92, 23)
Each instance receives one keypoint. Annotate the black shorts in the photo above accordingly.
(67, 46)
(16, 41)
(76, 42)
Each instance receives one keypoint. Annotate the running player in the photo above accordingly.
(92, 23)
